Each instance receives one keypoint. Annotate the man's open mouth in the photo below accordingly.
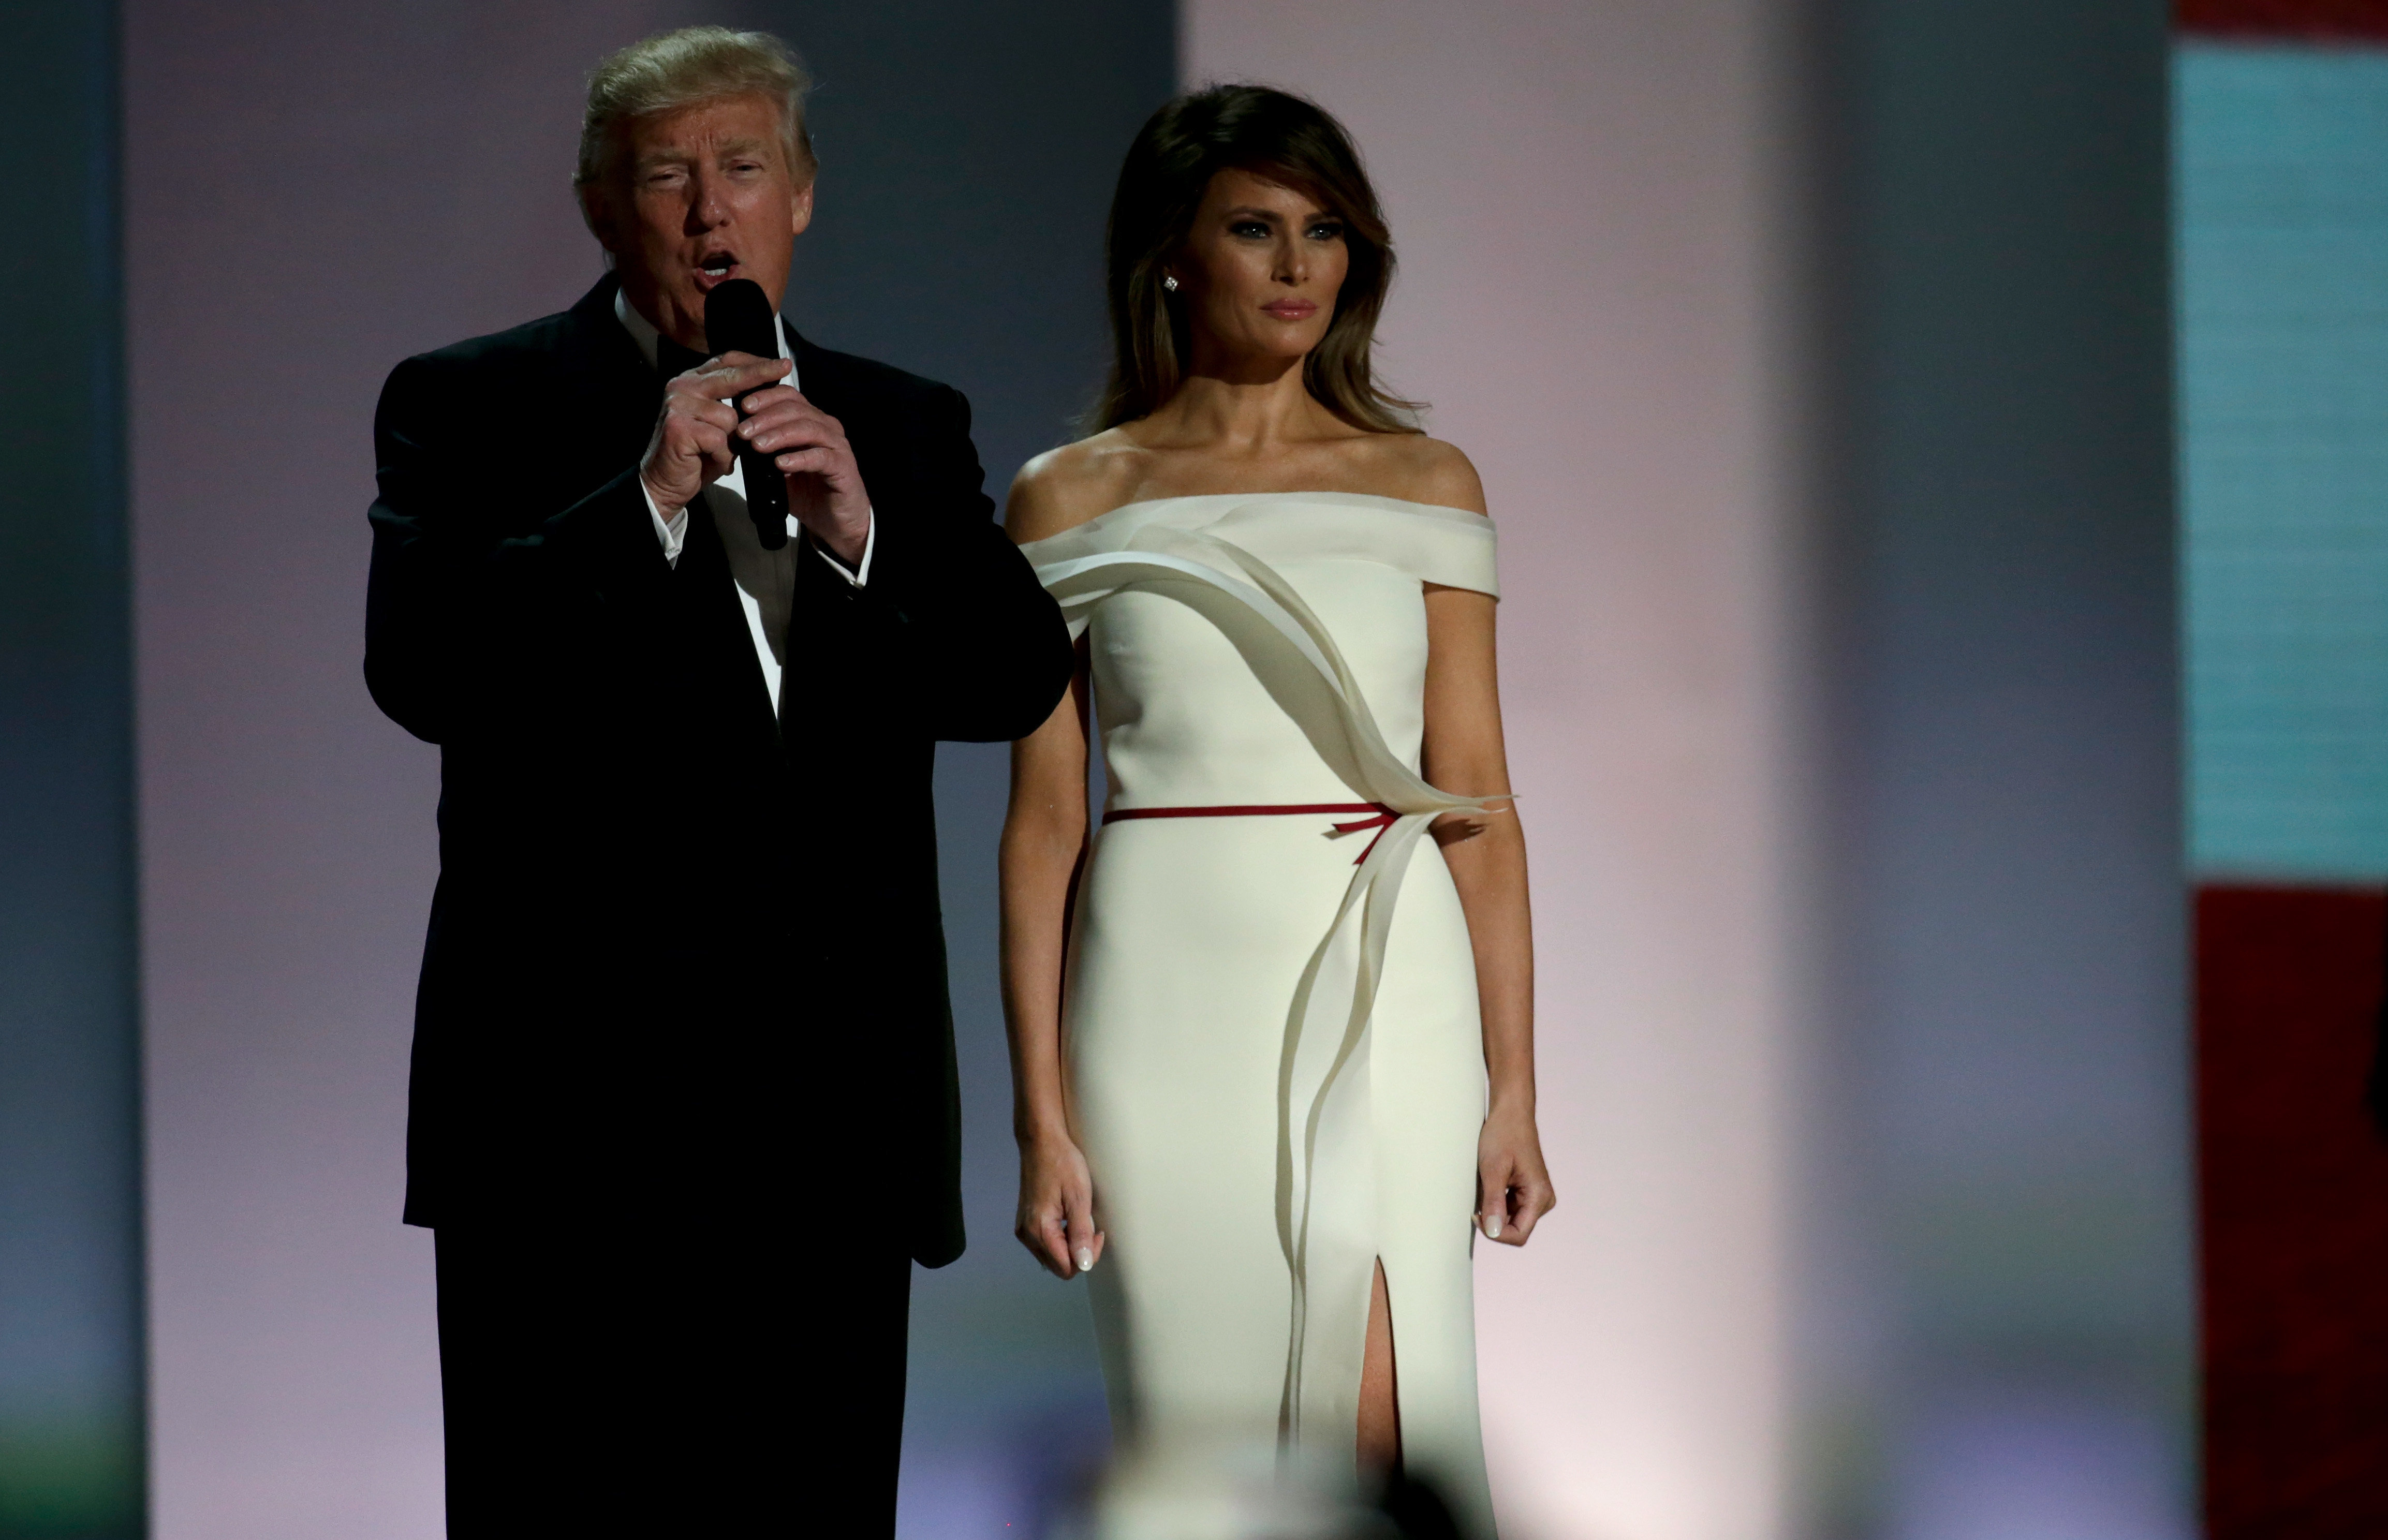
(716, 267)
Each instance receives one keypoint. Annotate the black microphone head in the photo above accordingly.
(737, 319)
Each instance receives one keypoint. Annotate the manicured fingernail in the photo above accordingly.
(1086, 1258)
(1491, 1227)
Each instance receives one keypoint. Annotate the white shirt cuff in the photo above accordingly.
(859, 573)
(672, 532)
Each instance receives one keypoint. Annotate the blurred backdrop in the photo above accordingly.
(2280, 157)
(1819, 358)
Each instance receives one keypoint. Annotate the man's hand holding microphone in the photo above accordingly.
(700, 430)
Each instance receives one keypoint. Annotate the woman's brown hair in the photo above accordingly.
(1181, 147)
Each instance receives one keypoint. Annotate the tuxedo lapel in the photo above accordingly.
(612, 395)
(819, 378)
(614, 392)
(722, 646)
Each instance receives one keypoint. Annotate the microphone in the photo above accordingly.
(737, 319)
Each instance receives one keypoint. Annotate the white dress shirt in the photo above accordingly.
(766, 579)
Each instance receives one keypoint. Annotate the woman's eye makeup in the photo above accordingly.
(1317, 229)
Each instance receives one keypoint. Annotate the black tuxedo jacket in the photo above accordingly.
(685, 957)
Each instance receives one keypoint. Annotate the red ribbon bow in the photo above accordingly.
(1386, 818)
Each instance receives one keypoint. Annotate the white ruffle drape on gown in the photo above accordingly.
(1276, 1055)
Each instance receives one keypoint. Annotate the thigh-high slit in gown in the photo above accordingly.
(1270, 1009)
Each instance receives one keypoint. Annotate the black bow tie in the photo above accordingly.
(673, 361)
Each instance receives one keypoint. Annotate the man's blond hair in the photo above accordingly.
(672, 71)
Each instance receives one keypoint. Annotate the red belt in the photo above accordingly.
(1385, 817)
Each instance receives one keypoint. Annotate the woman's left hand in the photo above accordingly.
(1513, 1186)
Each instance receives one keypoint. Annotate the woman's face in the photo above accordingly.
(1259, 271)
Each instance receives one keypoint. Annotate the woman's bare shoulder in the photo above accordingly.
(1064, 488)
(1417, 468)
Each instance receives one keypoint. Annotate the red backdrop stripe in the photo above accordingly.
(2294, 1187)
(2285, 18)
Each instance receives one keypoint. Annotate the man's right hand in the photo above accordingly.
(691, 447)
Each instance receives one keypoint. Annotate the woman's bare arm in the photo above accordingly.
(1464, 754)
(1044, 847)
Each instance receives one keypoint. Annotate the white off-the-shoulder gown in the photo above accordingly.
(1276, 1062)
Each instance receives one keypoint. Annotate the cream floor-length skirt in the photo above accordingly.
(1275, 1057)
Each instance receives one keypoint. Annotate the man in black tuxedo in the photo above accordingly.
(683, 1110)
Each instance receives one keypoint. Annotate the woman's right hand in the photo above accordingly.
(1057, 1207)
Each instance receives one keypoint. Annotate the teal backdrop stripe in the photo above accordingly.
(72, 1432)
(2282, 167)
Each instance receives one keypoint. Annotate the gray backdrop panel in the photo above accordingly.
(70, 1361)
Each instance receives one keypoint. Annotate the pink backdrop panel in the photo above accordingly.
(312, 192)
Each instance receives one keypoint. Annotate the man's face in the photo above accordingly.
(702, 195)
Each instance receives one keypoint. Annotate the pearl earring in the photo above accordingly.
(1169, 283)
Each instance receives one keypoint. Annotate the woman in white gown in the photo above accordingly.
(1271, 1018)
